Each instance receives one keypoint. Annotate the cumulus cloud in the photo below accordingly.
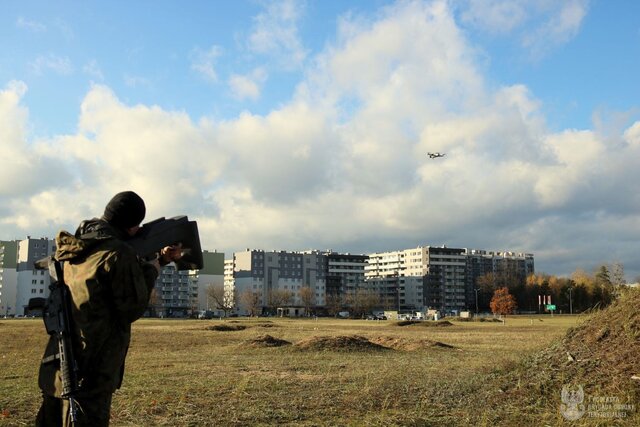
(25, 171)
(275, 33)
(343, 163)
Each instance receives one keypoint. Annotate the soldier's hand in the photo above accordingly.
(170, 253)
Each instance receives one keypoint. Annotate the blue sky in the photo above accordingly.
(305, 124)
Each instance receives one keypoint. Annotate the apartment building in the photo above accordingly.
(448, 274)
(229, 283)
(31, 282)
(264, 272)
(516, 265)
(175, 293)
(428, 277)
(8, 277)
(345, 272)
(211, 274)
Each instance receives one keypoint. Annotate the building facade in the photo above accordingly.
(211, 275)
(32, 282)
(427, 277)
(439, 277)
(8, 277)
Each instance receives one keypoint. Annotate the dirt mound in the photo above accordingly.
(225, 327)
(339, 343)
(266, 325)
(425, 323)
(267, 341)
(404, 344)
(598, 359)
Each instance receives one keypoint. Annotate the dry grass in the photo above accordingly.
(181, 372)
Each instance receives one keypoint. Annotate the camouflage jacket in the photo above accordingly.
(110, 289)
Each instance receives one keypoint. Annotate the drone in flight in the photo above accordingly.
(434, 155)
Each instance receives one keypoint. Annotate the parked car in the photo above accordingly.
(205, 314)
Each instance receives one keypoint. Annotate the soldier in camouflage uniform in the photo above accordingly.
(110, 288)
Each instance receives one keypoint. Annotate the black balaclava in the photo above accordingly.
(125, 210)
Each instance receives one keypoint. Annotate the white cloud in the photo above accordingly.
(561, 26)
(24, 169)
(540, 26)
(57, 64)
(203, 62)
(495, 16)
(343, 164)
(275, 33)
(247, 86)
(30, 25)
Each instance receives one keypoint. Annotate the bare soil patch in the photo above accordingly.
(425, 323)
(267, 341)
(399, 343)
(339, 343)
(226, 328)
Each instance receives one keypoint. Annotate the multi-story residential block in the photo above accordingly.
(175, 293)
(515, 265)
(345, 272)
(429, 277)
(212, 274)
(229, 284)
(31, 282)
(263, 273)
(448, 274)
(446, 268)
(181, 293)
(8, 277)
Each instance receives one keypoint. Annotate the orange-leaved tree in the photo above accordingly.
(503, 302)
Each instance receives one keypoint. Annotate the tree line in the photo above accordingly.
(577, 293)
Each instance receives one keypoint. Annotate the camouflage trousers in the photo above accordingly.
(92, 411)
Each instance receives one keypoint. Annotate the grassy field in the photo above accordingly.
(184, 372)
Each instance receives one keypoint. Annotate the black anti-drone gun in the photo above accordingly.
(162, 232)
(56, 313)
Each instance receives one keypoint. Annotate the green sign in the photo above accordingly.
(551, 307)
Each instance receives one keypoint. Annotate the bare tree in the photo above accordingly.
(308, 297)
(362, 301)
(220, 298)
(333, 304)
(250, 300)
(280, 298)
